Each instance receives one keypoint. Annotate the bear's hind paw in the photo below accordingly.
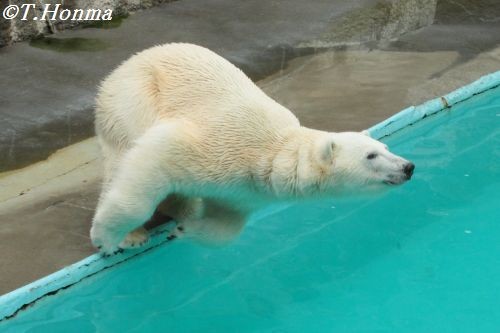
(177, 232)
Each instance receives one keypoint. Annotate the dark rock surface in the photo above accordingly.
(18, 30)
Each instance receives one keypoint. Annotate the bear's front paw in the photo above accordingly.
(136, 238)
(105, 240)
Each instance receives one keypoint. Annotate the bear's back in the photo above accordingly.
(185, 81)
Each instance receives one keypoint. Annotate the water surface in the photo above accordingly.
(422, 258)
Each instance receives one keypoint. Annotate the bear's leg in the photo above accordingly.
(180, 207)
(141, 182)
(111, 156)
(218, 225)
(209, 231)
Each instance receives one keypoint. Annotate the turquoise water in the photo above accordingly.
(424, 257)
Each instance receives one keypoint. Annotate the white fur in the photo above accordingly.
(182, 127)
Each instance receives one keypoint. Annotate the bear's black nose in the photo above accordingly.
(408, 169)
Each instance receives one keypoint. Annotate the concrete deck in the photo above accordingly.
(46, 208)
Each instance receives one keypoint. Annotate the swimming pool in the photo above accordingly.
(423, 257)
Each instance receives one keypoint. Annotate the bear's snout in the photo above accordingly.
(408, 169)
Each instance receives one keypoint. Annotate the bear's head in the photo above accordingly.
(354, 162)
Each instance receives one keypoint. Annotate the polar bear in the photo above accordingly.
(183, 129)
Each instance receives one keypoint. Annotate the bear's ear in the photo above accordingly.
(326, 151)
(365, 132)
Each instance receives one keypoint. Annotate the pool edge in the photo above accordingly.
(23, 297)
(413, 114)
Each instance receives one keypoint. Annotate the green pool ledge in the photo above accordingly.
(26, 296)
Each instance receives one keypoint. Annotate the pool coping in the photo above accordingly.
(24, 297)
(413, 114)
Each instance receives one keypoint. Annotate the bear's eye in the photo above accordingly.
(371, 156)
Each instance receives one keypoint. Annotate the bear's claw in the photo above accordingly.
(135, 239)
(109, 254)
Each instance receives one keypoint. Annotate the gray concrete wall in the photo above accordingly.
(384, 20)
(16, 30)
